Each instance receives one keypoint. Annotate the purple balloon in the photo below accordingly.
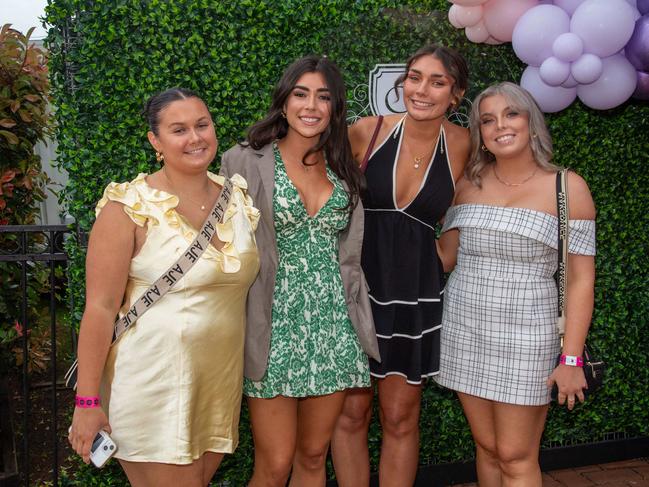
(571, 82)
(605, 26)
(568, 5)
(568, 47)
(553, 71)
(616, 84)
(637, 49)
(536, 31)
(642, 90)
(643, 6)
(586, 69)
(550, 98)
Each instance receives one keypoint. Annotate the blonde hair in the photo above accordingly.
(520, 100)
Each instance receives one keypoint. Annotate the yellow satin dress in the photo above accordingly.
(172, 382)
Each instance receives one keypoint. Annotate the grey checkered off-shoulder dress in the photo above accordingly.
(499, 339)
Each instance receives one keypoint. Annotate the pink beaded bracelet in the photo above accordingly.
(86, 401)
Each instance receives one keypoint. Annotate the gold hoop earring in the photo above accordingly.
(283, 114)
(484, 148)
(159, 156)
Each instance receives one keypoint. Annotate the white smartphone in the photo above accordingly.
(103, 447)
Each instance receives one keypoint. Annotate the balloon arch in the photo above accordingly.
(597, 50)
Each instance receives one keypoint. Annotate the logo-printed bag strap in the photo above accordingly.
(167, 280)
(562, 250)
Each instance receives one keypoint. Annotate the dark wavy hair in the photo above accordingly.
(334, 140)
(452, 61)
(158, 102)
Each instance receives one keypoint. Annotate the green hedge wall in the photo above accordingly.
(108, 56)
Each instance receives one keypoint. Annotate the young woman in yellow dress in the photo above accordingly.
(169, 390)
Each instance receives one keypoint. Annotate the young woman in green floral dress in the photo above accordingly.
(309, 324)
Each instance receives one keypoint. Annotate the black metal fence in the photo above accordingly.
(29, 246)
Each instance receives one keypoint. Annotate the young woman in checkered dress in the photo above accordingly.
(499, 336)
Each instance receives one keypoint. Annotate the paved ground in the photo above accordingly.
(629, 473)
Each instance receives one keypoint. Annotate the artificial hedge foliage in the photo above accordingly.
(108, 56)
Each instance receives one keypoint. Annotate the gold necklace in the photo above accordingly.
(506, 183)
(200, 205)
(418, 160)
(305, 167)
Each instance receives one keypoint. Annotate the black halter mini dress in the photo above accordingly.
(400, 260)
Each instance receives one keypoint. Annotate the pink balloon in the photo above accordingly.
(500, 16)
(536, 31)
(493, 41)
(468, 16)
(553, 71)
(605, 26)
(568, 5)
(586, 69)
(568, 47)
(452, 17)
(615, 86)
(477, 33)
(468, 3)
(549, 98)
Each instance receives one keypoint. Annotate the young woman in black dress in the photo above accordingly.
(411, 174)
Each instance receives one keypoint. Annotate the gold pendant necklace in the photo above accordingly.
(200, 205)
(512, 185)
(419, 160)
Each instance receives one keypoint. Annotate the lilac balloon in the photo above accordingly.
(568, 47)
(637, 49)
(571, 82)
(642, 89)
(568, 5)
(643, 6)
(536, 31)
(553, 71)
(586, 69)
(605, 26)
(616, 84)
(550, 98)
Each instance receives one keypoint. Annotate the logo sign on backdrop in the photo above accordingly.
(383, 97)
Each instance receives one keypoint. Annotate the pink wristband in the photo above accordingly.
(86, 401)
(571, 360)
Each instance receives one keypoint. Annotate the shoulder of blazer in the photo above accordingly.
(247, 152)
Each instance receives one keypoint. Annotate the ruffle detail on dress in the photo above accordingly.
(142, 202)
(239, 201)
(134, 196)
(527, 222)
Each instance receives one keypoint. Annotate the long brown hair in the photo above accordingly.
(452, 61)
(334, 141)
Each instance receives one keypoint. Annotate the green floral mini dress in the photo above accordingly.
(314, 349)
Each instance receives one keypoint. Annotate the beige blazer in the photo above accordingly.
(258, 168)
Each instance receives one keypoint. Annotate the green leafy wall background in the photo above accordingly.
(108, 56)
